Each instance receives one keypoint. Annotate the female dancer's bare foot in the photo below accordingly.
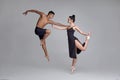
(72, 69)
(88, 37)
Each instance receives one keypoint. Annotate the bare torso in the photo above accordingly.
(42, 21)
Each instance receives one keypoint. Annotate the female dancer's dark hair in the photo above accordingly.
(72, 17)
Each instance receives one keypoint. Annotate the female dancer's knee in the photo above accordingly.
(79, 45)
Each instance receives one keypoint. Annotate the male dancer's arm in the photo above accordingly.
(60, 28)
(33, 11)
(80, 31)
(56, 23)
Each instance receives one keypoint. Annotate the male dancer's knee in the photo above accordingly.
(48, 31)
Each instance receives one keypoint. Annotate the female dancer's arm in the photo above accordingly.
(80, 31)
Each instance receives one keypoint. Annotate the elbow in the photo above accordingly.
(80, 32)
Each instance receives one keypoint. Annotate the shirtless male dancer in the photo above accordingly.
(43, 20)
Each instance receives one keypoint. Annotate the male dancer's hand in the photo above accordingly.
(25, 13)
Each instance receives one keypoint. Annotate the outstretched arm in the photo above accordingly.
(56, 23)
(81, 32)
(33, 11)
(60, 28)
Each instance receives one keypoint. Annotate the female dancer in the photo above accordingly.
(75, 46)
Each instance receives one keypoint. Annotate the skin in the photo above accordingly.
(77, 43)
(41, 23)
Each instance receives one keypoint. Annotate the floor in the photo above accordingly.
(22, 72)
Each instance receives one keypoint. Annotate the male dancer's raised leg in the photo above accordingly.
(45, 36)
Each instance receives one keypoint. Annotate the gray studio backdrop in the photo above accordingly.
(20, 46)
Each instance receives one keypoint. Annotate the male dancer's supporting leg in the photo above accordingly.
(43, 43)
(45, 50)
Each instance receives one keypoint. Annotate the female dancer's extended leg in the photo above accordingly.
(81, 47)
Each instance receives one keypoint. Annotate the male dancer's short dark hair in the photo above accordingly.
(51, 12)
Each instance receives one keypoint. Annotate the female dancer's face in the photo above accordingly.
(70, 20)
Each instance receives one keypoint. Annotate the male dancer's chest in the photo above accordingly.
(42, 22)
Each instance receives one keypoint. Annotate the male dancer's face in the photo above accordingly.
(51, 16)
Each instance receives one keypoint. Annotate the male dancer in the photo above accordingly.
(43, 20)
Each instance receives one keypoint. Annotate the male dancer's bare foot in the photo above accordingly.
(47, 57)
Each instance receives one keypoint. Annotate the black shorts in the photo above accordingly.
(40, 32)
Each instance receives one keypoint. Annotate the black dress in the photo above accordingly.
(71, 43)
